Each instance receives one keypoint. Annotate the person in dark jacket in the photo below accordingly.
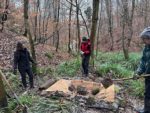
(144, 67)
(22, 61)
(85, 53)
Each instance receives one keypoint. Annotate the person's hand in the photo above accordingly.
(81, 52)
(136, 76)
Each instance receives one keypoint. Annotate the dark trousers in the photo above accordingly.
(147, 95)
(85, 64)
(23, 73)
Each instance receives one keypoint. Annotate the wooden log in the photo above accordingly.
(47, 84)
(100, 107)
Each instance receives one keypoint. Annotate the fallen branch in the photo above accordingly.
(47, 84)
(17, 98)
(100, 107)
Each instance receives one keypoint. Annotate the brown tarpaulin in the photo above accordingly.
(104, 94)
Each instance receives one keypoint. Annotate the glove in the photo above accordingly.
(81, 52)
(136, 76)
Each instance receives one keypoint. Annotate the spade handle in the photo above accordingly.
(140, 76)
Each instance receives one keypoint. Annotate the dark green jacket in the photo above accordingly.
(144, 66)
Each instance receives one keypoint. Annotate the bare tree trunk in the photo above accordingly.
(69, 49)
(99, 27)
(0, 5)
(130, 23)
(43, 20)
(7, 4)
(110, 21)
(118, 21)
(124, 22)
(58, 9)
(25, 17)
(146, 13)
(123, 41)
(85, 23)
(46, 5)
(94, 27)
(78, 26)
(55, 18)
(36, 20)
(2, 21)
(127, 29)
(39, 24)
(49, 16)
(27, 26)
(78, 11)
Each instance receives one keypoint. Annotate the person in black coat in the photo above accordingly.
(22, 61)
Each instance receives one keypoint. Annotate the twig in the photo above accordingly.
(99, 107)
(140, 76)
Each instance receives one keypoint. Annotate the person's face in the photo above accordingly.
(146, 41)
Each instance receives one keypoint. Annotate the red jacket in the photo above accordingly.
(86, 47)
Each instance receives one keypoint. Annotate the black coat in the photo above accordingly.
(144, 66)
(22, 59)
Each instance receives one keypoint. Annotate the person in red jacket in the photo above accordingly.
(85, 53)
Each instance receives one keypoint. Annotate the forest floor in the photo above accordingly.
(49, 59)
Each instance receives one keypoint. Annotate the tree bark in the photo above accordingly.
(27, 26)
(69, 42)
(84, 23)
(49, 16)
(94, 27)
(110, 21)
(78, 26)
(127, 28)
(146, 13)
(57, 25)
(25, 17)
(36, 20)
(99, 27)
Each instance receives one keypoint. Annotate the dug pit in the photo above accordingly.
(84, 88)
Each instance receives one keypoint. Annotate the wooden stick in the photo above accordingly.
(140, 76)
(100, 107)
(17, 98)
(47, 84)
(25, 107)
(7, 83)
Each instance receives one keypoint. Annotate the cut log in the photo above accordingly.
(100, 107)
(47, 84)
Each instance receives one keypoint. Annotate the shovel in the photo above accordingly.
(106, 82)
